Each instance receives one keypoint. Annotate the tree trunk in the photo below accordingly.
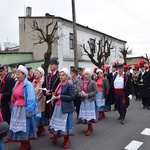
(47, 57)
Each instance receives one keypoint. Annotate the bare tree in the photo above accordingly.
(124, 52)
(104, 47)
(8, 45)
(46, 36)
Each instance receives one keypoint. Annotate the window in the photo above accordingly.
(92, 45)
(71, 41)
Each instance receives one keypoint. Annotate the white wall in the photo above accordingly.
(83, 35)
(62, 49)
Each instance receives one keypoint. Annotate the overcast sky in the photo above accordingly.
(124, 19)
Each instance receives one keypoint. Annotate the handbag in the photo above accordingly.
(1, 116)
(3, 129)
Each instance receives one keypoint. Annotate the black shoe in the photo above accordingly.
(122, 121)
(119, 118)
(148, 108)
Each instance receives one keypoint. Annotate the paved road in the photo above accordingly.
(108, 134)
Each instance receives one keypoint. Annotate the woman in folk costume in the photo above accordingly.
(62, 122)
(88, 111)
(37, 82)
(103, 88)
(24, 109)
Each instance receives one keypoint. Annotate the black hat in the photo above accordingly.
(115, 66)
(2, 68)
(14, 66)
(74, 71)
(80, 69)
(120, 66)
(54, 61)
(29, 68)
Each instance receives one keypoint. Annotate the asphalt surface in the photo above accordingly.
(108, 133)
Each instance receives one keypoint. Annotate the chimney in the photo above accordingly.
(28, 11)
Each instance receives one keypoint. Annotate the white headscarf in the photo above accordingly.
(99, 70)
(40, 69)
(23, 69)
(88, 70)
(66, 71)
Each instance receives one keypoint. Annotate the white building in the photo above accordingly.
(64, 49)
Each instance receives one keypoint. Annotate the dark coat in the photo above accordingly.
(31, 79)
(128, 89)
(3, 129)
(51, 83)
(110, 77)
(144, 87)
(105, 87)
(6, 91)
(67, 98)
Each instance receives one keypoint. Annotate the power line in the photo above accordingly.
(128, 11)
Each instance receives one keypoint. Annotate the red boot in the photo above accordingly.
(41, 131)
(103, 115)
(66, 143)
(54, 139)
(6, 140)
(89, 130)
(27, 145)
(100, 115)
(22, 146)
(62, 144)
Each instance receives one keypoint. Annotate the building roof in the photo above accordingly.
(63, 19)
(135, 60)
(136, 57)
(11, 52)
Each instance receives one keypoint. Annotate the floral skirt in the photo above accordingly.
(101, 102)
(30, 131)
(88, 112)
(61, 124)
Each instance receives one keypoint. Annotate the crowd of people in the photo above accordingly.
(31, 100)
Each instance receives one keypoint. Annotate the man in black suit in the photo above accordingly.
(30, 74)
(76, 81)
(6, 86)
(144, 85)
(121, 92)
(110, 79)
(50, 83)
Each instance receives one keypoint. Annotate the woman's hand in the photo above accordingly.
(28, 115)
(57, 97)
(47, 93)
(84, 95)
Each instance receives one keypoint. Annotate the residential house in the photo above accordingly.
(64, 48)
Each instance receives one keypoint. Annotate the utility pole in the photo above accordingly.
(75, 35)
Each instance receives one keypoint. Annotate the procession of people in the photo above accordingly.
(30, 100)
